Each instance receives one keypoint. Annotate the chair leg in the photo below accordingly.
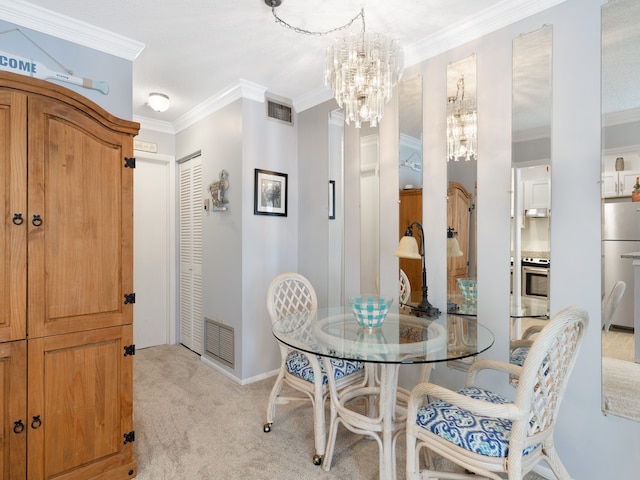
(557, 467)
(413, 459)
(273, 398)
(319, 427)
(331, 439)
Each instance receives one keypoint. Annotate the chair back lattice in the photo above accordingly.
(547, 368)
(290, 293)
(405, 288)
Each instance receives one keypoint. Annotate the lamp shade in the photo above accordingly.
(453, 247)
(408, 248)
(158, 102)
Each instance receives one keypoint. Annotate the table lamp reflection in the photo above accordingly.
(408, 248)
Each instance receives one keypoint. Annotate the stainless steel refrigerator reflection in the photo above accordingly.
(621, 234)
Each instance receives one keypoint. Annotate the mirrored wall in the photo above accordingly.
(462, 159)
(410, 177)
(369, 209)
(335, 207)
(531, 188)
(620, 212)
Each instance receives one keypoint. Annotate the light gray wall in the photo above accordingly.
(84, 62)
(591, 445)
(242, 252)
(269, 244)
(219, 138)
(313, 165)
(165, 142)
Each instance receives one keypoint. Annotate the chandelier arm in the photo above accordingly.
(273, 4)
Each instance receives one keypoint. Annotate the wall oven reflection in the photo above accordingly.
(535, 277)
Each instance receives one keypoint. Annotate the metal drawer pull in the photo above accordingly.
(17, 219)
(36, 422)
(18, 427)
(37, 221)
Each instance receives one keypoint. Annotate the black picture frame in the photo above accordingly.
(270, 193)
(332, 199)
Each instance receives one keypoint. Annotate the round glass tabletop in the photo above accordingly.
(402, 338)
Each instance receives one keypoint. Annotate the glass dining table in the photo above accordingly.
(401, 339)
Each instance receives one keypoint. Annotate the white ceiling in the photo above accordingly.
(192, 50)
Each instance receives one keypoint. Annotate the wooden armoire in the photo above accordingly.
(66, 285)
(411, 211)
(458, 218)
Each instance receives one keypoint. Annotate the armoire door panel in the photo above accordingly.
(13, 410)
(80, 248)
(80, 389)
(13, 205)
(411, 211)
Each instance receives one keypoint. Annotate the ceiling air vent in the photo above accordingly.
(279, 112)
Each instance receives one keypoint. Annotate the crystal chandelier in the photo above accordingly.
(361, 69)
(462, 129)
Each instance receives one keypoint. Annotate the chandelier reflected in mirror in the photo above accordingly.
(361, 69)
(462, 128)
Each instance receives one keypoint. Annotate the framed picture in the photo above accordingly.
(332, 199)
(270, 194)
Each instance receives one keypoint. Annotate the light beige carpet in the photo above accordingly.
(193, 423)
(620, 393)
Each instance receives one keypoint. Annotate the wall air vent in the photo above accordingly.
(278, 111)
(219, 341)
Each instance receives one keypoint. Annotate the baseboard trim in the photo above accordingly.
(232, 377)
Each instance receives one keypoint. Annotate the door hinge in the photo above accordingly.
(129, 350)
(130, 437)
(129, 162)
(129, 298)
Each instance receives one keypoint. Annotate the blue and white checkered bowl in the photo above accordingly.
(370, 310)
(469, 289)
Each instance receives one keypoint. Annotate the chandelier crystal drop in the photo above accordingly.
(361, 70)
(462, 129)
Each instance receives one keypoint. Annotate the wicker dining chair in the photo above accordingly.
(488, 434)
(288, 294)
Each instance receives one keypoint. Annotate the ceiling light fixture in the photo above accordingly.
(158, 101)
(462, 128)
(361, 69)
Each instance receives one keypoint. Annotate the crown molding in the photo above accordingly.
(410, 142)
(154, 125)
(60, 26)
(620, 118)
(243, 89)
(483, 23)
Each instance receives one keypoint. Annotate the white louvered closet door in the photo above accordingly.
(191, 321)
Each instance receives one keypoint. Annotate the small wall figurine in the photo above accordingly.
(218, 190)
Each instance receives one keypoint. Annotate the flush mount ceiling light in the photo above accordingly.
(158, 101)
(361, 69)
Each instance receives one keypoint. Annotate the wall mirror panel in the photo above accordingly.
(462, 158)
(335, 206)
(369, 210)
(620, 212)
(410, 178)
(531, 188)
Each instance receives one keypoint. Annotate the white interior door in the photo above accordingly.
(190, 225)
(151, 233)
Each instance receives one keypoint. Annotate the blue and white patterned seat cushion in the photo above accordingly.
(482, 435)
(298, 364)
(517, 355)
